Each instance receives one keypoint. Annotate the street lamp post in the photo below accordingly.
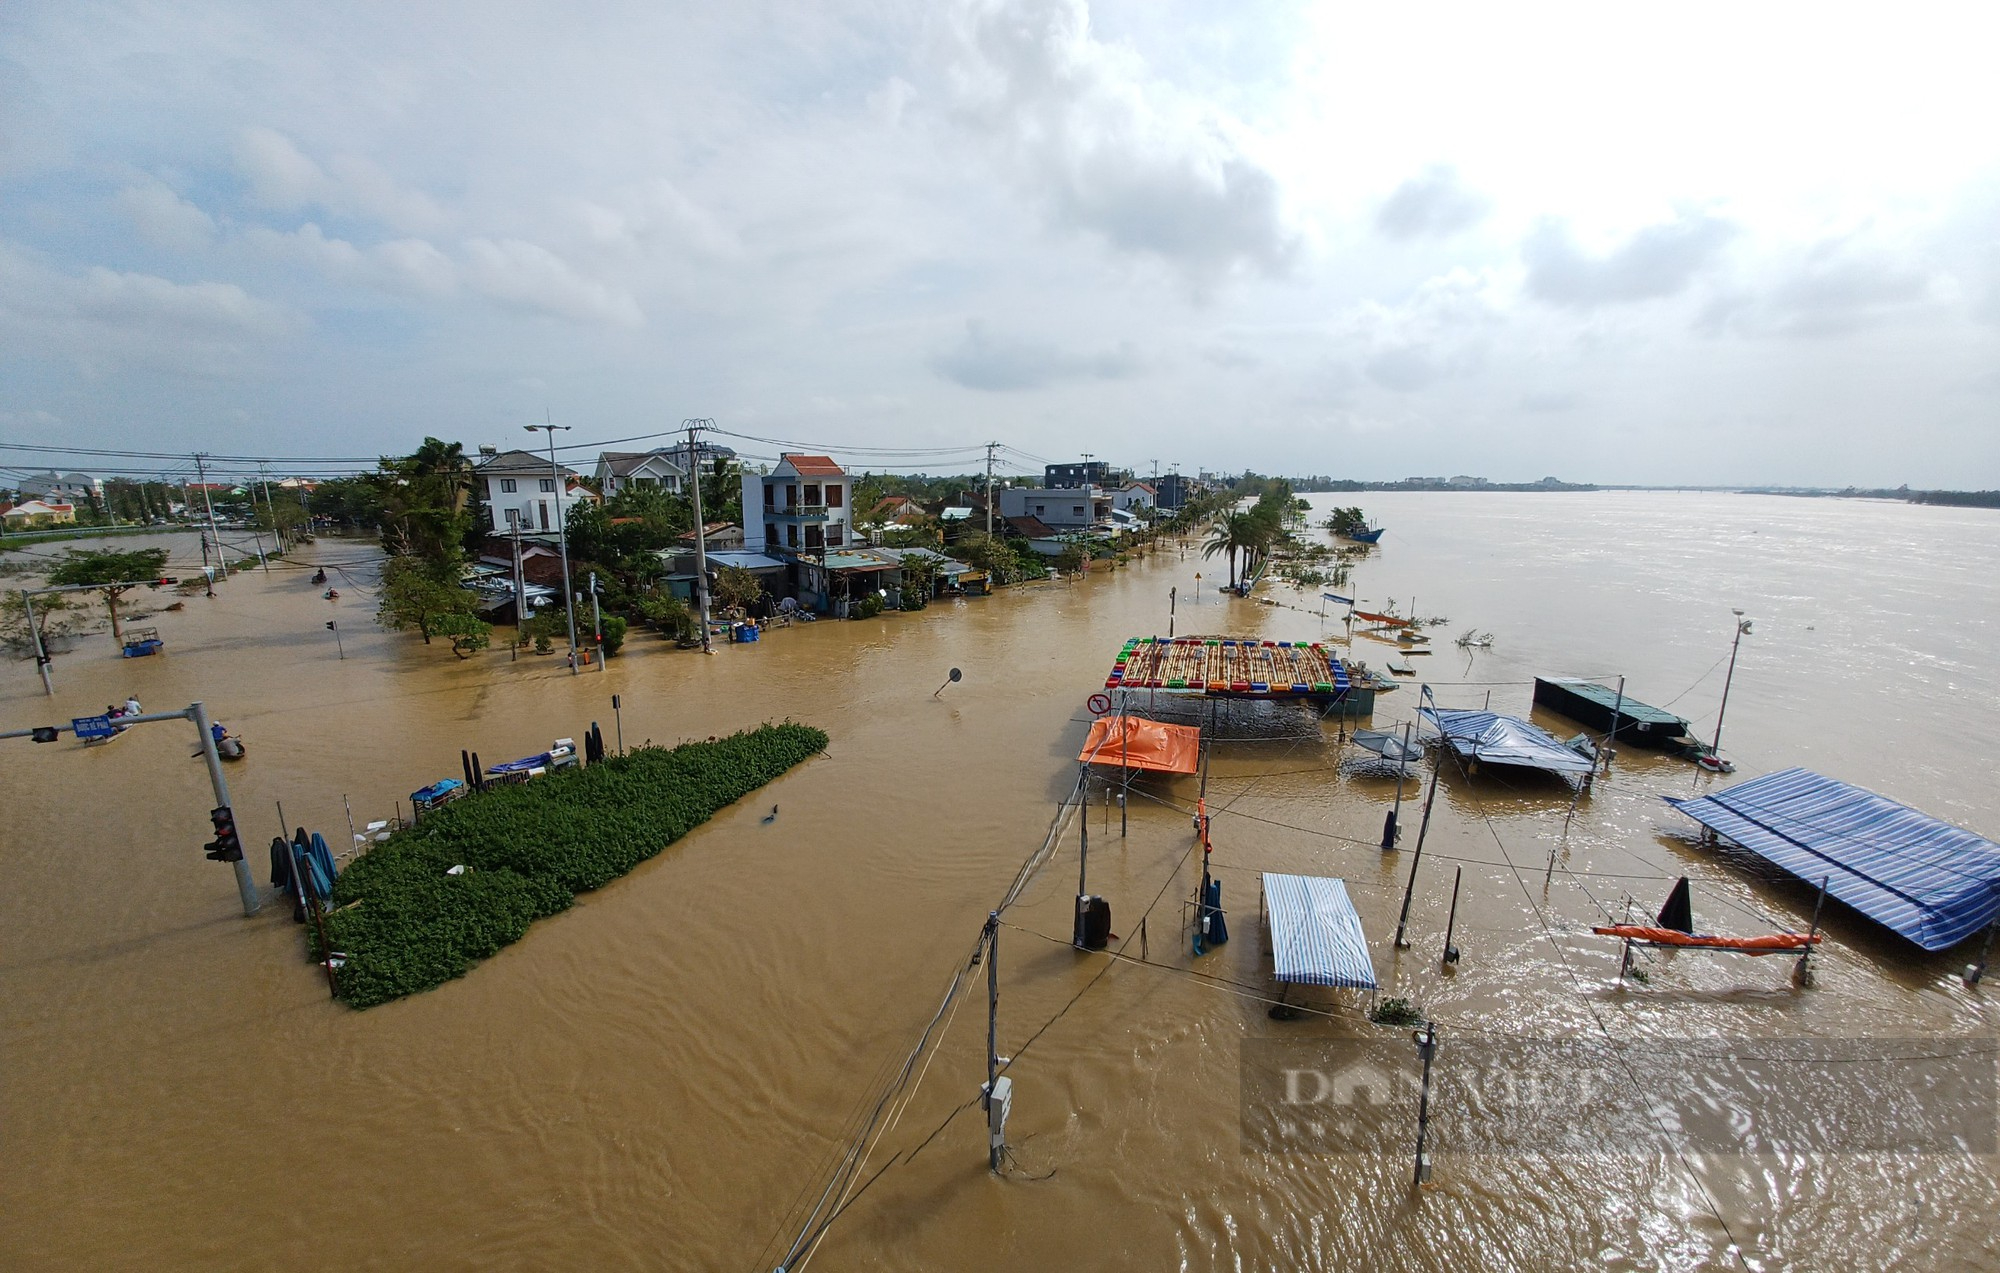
(562, 539)
(1742, 629)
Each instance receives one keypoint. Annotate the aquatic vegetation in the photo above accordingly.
(406, 925)
(1395, 1012)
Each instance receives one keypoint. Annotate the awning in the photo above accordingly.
(1145, 744)
(1504, 740)
(1316, 937)
(1929, 881)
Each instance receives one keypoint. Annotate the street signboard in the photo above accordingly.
(93, 727)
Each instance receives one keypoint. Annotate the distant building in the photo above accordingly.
(522, 492)
(663, 466)
(36, 512)
(62, 488)
(1463, 481)
(1088, 473)
(1171, 492)
(1133, 496)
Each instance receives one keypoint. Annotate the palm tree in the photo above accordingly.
(1235, 533)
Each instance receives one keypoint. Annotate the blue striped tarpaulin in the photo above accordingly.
(1316, 937)
(1504, 740)
(1929, 881)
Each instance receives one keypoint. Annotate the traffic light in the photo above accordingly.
(225, 847)
(45, 733)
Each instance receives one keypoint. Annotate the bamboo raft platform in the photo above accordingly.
(1234, 666)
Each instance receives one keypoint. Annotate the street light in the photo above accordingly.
(562, 538)
(1742, 630)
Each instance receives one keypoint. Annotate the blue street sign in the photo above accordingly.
(93, 727)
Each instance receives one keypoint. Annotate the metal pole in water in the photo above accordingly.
(246, 884)
(619, 720)
(1742, 626)
(35, 638)
(1083, 856)
(1803, 971)
(992, 1028)
(1451, 921)
(1423, 828)
(1426, 1041)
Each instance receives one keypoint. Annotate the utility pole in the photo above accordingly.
(520, 597)
(1423, 828)
(201, 475)
(995, 1126)
(700, 529)
(596, 621)
(35, 638)
(990, 448)
(562, 537)
(1742, 627)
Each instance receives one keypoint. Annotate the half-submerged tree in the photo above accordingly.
(114, 573)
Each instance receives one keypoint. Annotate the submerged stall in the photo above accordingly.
(1922, 878)
(1316, 937)
(1504, 740)
(1229, 666)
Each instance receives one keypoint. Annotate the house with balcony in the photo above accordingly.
(523, 492)
(801, 512)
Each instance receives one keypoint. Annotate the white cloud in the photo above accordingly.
(1108, 148)
(1433, 204)
(983, 360)
(104, 315)
(1441, 331)
(164, 219)
(1657, 261)
(283, 177)
(532, 277)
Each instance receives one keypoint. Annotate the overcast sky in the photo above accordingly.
(1678, 244)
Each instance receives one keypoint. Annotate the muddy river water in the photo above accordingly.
(656, 1077)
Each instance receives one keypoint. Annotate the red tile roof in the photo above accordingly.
(814, 465)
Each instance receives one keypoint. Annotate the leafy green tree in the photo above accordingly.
(614, 634)
(736, 586)
(468, 632)
(418, 594)
(108, 571)
(56, 615)
(1234, 534)
(424, 500)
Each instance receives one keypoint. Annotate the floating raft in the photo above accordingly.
(1603, 708)
(1228, 666)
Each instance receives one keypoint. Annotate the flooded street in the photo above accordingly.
(653, 1078)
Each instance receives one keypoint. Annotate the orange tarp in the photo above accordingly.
(1145, 744)
(1776, 943)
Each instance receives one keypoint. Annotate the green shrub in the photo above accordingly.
(614, 633)
(869, 606)
(406, 926)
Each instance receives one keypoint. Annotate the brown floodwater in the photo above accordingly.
(656, 1077)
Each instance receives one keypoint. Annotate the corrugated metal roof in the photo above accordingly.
(1316, 937)
(1504, 740)
(745, 558)
(1926, 879)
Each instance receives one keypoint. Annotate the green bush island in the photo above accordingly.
(406, 926)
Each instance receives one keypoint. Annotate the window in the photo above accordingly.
(548, 485)
(833, 495)
(506, 486)
(792, 535)
(1040, 509)
(770, 496)
(813, 538)
(513, 519)
(834, 537)
(770, 532)
(1076, 510)
(812, 494)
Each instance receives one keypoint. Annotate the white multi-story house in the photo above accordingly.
(523, 492)
(1063, 508)
(801, 508)
(1134, 497)
(663, 466)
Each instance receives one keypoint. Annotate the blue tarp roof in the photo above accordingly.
(1504, 740)
(1316, 937)
(1930, 881)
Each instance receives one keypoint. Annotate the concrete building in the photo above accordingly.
(1135, 497)
(521, 492)
(1090, 473)
(1078, 508)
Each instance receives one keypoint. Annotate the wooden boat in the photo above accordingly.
(1370, 535)
(1387, 620)
(1402, 669)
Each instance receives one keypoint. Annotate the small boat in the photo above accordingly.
(562, 754)
(1386, 620)
(140, 642)
(1401, 669)
(1714, 764)
(1367, 535)
(1411, 634)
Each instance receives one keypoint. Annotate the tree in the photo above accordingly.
(55, 616)
(736, 586)
(424, 502)
(417, 594)
(116, 573)
(1234, 534)
(468, 632)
